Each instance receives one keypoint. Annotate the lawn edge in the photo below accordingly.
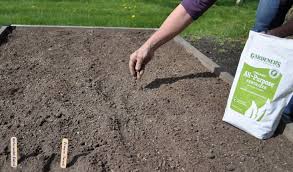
(84, 27)
(225, 76)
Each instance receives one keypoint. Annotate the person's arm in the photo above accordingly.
(177, 21)
(283, 31)
(174, 24)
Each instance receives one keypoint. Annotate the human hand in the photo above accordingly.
(139, 59)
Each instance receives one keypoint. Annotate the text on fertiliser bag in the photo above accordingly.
(256, 88)
(263, 85)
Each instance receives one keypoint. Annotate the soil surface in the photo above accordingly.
(225, 53)
(75, 84)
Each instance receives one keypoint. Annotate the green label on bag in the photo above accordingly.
(255, 90)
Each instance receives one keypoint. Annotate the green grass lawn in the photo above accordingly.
(223, 20)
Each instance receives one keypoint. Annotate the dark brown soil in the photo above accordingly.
(73, 83)
(225, 53)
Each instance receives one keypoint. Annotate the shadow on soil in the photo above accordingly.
(282, 125)
(33, 154)
(5, 33)
(47, 166)
(160, 81)
(75, 158)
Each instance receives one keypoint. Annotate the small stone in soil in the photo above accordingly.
(211, 155)
(188, 139)
(230, 167)
(59, 115)
(140, 88)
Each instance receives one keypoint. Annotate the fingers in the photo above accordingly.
(132, 64)
(135, 65)
(138, 64)
(140, 73)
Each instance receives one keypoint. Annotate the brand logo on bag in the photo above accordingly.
(267, 61)
(274, 74)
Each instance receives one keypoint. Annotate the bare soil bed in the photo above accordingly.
(225, 53)
(74, 83)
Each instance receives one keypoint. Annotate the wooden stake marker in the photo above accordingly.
(13, 147)
(64, 152)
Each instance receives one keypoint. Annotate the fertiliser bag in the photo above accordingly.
(263, 85)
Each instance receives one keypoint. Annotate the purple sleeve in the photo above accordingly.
(196, 8)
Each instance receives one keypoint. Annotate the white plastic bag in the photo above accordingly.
(263, 85)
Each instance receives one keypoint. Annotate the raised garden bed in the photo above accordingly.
(74, 83)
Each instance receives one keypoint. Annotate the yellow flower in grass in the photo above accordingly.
(133, 16)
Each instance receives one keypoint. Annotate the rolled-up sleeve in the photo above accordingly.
(196, 8)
